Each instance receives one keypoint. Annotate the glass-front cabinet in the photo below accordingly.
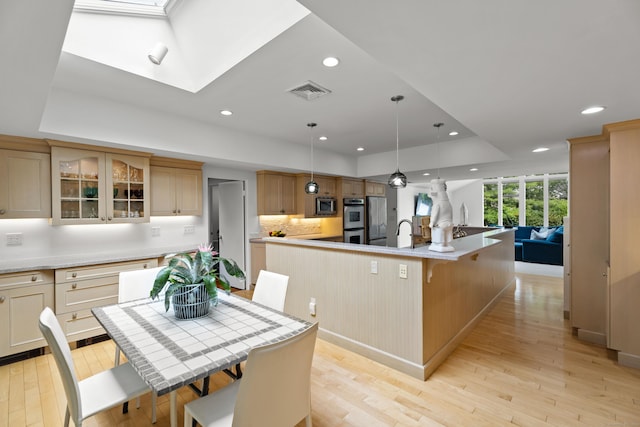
(92, 187)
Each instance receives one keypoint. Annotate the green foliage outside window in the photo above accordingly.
(490, 204)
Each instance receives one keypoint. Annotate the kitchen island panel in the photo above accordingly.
(410, 324)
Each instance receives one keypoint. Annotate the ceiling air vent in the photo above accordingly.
(309, 90)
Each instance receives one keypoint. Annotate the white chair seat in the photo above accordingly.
(97, 393)
(218, 410)
(275, 390)
(118, 384)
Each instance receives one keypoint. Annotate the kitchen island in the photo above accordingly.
(405, 308)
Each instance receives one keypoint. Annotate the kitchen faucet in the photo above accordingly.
(410, 232)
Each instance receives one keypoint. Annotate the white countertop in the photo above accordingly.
(77, 260)
(463, 246)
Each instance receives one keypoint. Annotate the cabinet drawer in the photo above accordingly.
(79, 325)
(26, 278)
(85, 294)
(102, 270)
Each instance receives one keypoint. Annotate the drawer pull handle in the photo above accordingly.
(144, 266)
(34, 278)
(2, 298)
(74, 316)
(2, 211)
(73, 286)
(74, 274)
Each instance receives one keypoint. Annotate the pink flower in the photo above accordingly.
(207, 248)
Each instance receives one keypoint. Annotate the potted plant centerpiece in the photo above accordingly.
(192, 282)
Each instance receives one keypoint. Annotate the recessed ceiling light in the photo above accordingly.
(592, 110)
(473, 169)
(360, 149)
(426, 174)
(453, 133)
(540, 150)
(330, 61)
(323, 138)
(226, 112)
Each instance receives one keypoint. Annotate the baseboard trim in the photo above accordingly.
(630, 360)
(592, 337)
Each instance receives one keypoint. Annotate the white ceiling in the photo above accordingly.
(508, 75)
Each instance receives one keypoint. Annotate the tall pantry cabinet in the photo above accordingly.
(605, 231)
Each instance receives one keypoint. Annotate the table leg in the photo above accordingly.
(173, 414)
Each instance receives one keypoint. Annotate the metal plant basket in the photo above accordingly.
(192, 301)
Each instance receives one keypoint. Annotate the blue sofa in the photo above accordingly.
(541, 250)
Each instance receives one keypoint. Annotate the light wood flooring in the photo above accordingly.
(520, 366)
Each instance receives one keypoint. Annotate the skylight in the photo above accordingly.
(126, 7)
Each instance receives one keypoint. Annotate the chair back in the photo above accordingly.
(275, 389)
(136, 284)
(271, 289)
(57, 341)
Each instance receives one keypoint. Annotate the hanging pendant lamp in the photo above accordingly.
(311, 187)
(397, 179)
(437, 126)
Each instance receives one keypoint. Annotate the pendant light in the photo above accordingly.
(311, 187)
(437, 126)
(397, 179)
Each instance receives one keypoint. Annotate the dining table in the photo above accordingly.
(170, 353)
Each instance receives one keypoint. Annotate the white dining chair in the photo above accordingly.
(95, 394)
(133, 285)
(271, 289)
(275, 390)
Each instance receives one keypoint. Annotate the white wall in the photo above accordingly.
(469, 192)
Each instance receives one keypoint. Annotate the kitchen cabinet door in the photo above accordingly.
(93, 187)
(22, 297)
(176, 191)
(352, 188)
(377, 189)
(25, 184)
(276, 193)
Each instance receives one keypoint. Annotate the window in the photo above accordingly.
(510, 204)
(558, 201)
(490, 204)
(534, 203)
(539, 200)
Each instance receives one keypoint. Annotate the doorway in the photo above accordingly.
(227, 222)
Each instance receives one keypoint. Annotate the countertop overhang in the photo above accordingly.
(463, 246)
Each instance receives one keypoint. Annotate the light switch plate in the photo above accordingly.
(189, 229)
(14, 239)
(155, 231)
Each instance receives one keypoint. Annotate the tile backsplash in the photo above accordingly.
(290, 225)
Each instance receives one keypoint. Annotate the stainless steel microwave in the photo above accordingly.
(326, 206)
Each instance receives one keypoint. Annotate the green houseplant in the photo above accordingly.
(192, 281)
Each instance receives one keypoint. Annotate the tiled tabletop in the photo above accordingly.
(170, 353)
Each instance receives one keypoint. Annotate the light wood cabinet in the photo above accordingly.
(79, 289)
(589, 201)
(377, 189)
(25, 184)
(22, 297)
(276, 193)
(176, 191)
(605, 256)
(306, 203)
(258, 259)
(96, 187)
(352, 188)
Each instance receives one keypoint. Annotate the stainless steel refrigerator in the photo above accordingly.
(376, 221)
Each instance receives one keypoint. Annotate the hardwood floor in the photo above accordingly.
(520, 366)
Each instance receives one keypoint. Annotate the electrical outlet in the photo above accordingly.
(374, 267)
(312, 306)
(403, 271)
(189, 229)
(155, 231)
(14, 239)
